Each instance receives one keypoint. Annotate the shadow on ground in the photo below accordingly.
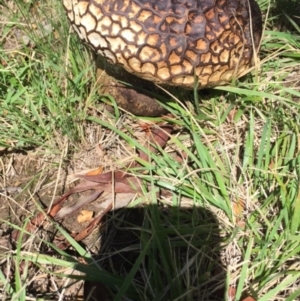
(162, 254)
(287, 12)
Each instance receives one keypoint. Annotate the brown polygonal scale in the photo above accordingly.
(172, 41)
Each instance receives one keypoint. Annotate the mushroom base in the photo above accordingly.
(131, 93)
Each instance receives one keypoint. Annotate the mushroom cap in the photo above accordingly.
(172, 42)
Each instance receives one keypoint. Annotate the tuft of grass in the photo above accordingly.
(44, 88)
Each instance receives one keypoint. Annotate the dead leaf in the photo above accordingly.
(231, 293)
(97, 171)
(69, 210)
(248, 299)
(158, 136)
(114, 182)
(84, 216)
(231, 115)
(120, 200)
(64, 244)
(238, 207)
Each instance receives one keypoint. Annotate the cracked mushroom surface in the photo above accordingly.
(172, 41)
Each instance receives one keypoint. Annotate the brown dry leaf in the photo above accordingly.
(82, 201)
(84, 216)
(238, 208)
(120, 200)
(110, 182)
(248, 299)
(231, 293)
(94, 172)
(4, 63)
(158, 136)
(63, 244)
(272, 165)
(231, 115)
